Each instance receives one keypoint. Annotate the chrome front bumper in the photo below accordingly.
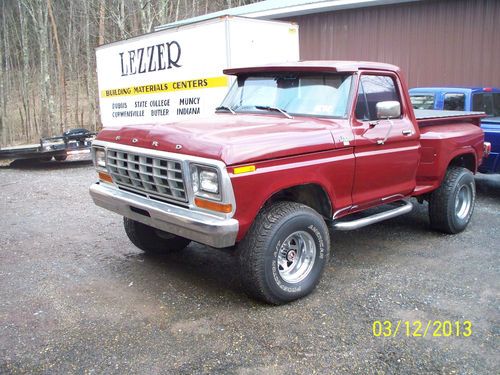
(196, 226)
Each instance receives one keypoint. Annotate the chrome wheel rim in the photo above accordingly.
(463, 201)
(296, 257)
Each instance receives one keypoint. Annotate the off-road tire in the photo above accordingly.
(259, 250)
(447, 212)
(152, 240)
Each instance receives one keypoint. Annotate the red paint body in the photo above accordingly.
(307, 150)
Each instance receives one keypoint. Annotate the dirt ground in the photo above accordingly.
(77, 297)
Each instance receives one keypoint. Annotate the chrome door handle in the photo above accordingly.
(407, 132)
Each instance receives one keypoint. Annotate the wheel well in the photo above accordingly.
(465, 160)
(311, 195)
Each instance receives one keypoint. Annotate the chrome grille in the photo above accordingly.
(158, 177)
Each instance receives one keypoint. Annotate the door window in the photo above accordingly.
(373, 89)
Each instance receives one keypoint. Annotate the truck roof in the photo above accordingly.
(315, 66)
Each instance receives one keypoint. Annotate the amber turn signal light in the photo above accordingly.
(213, 206)
(244, 169)
(105, 177)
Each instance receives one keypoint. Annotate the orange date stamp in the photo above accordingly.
(417, 328)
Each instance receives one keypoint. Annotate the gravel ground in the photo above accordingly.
(77, 297)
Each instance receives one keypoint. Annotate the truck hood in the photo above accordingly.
(233, 139)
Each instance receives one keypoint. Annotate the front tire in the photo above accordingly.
(452, 204)
(152, 240)
(283, 255)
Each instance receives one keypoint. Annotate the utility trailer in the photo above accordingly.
(73, 141)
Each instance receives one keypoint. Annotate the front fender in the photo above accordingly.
(332, 170)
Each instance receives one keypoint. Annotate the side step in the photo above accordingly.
(369, 220)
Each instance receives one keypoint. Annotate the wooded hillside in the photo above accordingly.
(47, 59)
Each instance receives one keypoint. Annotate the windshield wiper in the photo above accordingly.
(224, 108)
(276, 109)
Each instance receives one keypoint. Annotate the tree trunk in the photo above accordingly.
(25, 78)
(63, 106)
(146, 19)
(121, 18)
(90, 73)
(163, 8)
(177, 10)
(39, 15)
(102, 22)
(3, 112)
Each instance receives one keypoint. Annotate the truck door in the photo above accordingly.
(387, 151)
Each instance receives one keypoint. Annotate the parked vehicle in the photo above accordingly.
(483, 99)
(70, 142)
(176, 73)
(294, 148)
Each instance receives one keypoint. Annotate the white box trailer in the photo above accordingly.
(176, 73)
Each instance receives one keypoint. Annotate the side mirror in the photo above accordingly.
(388, 109)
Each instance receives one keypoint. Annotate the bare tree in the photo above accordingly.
(3, 110)
(63, 106)
(146, 15)
(25, 79)
(102, 22)
(91, 92)
(39, 16)
(47, 56)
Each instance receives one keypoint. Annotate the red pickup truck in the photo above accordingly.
(292, 150)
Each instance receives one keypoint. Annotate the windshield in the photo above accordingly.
(323, 95)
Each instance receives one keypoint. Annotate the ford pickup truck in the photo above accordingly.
(484, 99)
(293, 150)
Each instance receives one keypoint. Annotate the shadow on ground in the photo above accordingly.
(488, 186)
(46, 165)
(204, 272)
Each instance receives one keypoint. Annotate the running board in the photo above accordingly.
(363, 222)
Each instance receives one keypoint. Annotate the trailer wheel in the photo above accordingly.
(152, 240)
(452, 204)
(61, 157)
(283, 255)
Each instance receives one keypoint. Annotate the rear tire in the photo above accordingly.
(452, 204)
(283, 255)
(152, 240)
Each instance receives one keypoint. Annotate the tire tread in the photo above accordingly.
(251, 251)
(439, 201)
